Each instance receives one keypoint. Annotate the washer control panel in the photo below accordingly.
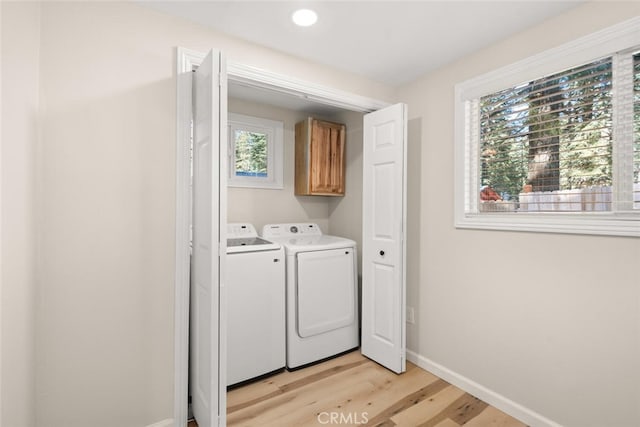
(237, 230)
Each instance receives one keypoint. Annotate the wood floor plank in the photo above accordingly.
(493, 417)
(245, 396)
(390, 396)
(428, 408)
(466, 408)
(318, 376)
(293, 376)
(409, 401)
(461, 411)
(448, 423)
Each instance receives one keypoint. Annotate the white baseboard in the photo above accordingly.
(508, 406)
(164, 423)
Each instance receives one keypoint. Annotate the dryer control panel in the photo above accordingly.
(293, 229)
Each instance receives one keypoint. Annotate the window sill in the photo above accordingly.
(606, 224)
(255, 183)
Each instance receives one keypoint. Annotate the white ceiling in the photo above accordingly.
(393, 42)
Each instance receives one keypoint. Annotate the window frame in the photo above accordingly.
(607, 42)
(275, 151)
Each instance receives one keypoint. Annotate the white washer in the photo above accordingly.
(322, 307)
(255, 305)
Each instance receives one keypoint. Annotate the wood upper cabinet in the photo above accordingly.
(320, 158)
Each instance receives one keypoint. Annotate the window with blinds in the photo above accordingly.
(561, 141)
(546, 145)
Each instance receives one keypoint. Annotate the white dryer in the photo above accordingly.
(255, 305)
(322, 292)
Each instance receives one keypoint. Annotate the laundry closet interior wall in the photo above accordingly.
(260, 206)
(345, 213)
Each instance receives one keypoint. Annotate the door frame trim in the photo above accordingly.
(186, 61)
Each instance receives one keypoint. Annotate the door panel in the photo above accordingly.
(205, 364)
(383, 211)
(383, 278)
(383, 237)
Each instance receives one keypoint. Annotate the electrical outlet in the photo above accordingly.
(411, 315)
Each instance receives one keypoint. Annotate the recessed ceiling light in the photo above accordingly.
(304, 17)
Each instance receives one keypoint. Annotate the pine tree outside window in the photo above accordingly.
(256, 149)
(558, 148)
(251, 153)
(546, 145)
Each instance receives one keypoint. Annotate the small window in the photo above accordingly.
(255, 152)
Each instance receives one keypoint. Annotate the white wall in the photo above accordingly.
(547, 321)
(20, 97)
(106, 206)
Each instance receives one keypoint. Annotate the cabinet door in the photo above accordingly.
(327, 157)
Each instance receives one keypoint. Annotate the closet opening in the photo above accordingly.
(262, 94)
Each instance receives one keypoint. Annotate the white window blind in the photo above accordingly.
(552, 143)
(636, 128)
(546, 145)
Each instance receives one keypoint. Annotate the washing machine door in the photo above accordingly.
(326, 291)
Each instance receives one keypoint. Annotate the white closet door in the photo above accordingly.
(383, 237)
(209, 242)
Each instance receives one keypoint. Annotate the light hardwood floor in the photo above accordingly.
(353, 391)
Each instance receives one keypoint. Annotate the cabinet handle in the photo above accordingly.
(381, 253)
